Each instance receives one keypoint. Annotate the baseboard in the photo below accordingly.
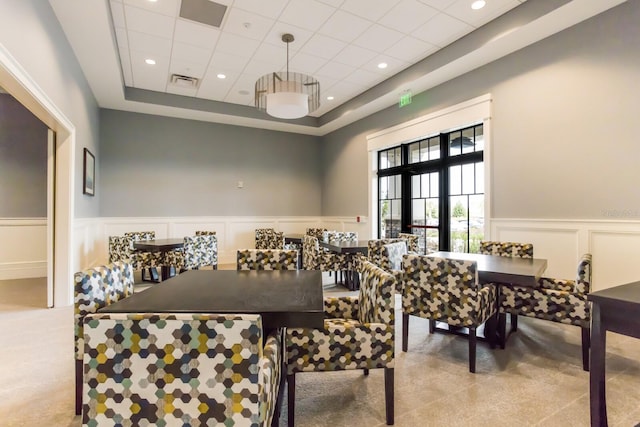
(23, 270)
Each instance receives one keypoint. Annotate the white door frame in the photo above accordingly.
(17, 82)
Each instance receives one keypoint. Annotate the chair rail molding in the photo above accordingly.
(614, 244)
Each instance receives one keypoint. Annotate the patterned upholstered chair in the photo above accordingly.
(562, 301)
(268, 238)
(315, 232)
(512, 250)
(93, 289)
(392, 254)
(358, 333)
(197, 251)
(314, 259)
(375, 248)
(412, 241)
(180, 369)
(151, 259)
(446, 290)
(267, 259)
(121, 249)
(205, 233)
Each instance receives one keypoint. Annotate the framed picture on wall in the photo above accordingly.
(89, 173)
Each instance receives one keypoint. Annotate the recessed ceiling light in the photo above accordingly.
(150, 61)
(222, 76)
(478, 4)
(329, 98)
(382, 65)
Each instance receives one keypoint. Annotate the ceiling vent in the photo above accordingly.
(203, 11)
(184, 81)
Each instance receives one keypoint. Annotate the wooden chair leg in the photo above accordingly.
(366, 371)
(586, 346)
(405, 331)
(78, 387)
(388, 394)
(502, 329)
(291, 399)
(514, 322)
(472, 350)
(432, 326)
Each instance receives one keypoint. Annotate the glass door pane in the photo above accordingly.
(390, 205)
(425, 211)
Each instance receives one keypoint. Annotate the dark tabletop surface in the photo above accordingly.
(159, 244)
(283, 298)
(344, 247)
(493, 268)
(629, 293)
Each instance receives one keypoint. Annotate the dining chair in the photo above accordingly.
(152, 259)
(268, 238)
(93, 289)
(180, 369)
(512, 250)
(412, 241)
(267, 259)
(205, 233)
(557, 300)
(197, 251)
(316, 232)
(446, 290)
(315, 259)
(358, 333)
(121, 249)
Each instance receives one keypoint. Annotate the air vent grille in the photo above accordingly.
(204, 11)
(184, 81)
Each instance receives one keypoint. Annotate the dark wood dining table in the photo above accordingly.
(351, 249)
(615, 309)
(160, 245)
(497, 269)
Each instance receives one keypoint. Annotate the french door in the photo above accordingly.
(434, 188)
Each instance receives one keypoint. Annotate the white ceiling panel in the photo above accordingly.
(354, 55)
(323, 46)
(300, 35)
(372, 10)
(440, 5)
(407, 15)
(335, 70)
(234, 44)
(362, 77)
(378, 38)
(127, 74)
(152, 45)
(117, 14)
(442, 30)
(193, 54)
(247, 24)
(305, 63)
(476, 18)
(143, 21)
(308, 14)
(269, 9)
(344, 26)
(196, 34)
(273, 54)
(212, 87)
(122, 38)
(394, 65)
(164, 7)
(151, 77)
(410, 49)
(186, 68)
(334, 3)
(180, 90)
(227, 61)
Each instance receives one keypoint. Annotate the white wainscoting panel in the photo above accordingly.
(87, 237)
(614, 245)
(23, 253)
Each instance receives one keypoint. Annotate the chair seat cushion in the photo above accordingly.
(341, 344)
(557, 306)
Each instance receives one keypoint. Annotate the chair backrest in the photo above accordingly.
(267, 259)
(375, 248)
(392, 255)
(205, 233)
(310, 253)
(315, 232)
(200, 251)
(120, 248)
(262, 237)
(137, 236)
(179, 369)
(340, 236)
(440, 288)
(96, 288)
(412, 241)
(583, 279)
(376, 301)
(507, 249)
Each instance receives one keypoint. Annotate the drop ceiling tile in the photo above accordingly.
(354, 56)
(362, 77)
(244, 83)
(122, 39)
(394, 65)
(196, 34)
(125, 64)
(147, 22)
(247, 24)
(152, 45)
(372, 10)
(190, 53)
(270, 9)
(186, 68)
(334, 3)
(214, 88)
(117, 14)
(461, 9)
(407, 15)
(179, 90)
(234, 44)
(309, 14)
(260, 68)
(164, 7)
(323, 46)
(440, 5)
(272, 54)
(335, 70)
(344, 26)
(410, 49)
(227, 61)
(150, 77)
(378, 38)
(343, 91)
(305, 63)
(442, 30)
(300, 35)
(325, 82)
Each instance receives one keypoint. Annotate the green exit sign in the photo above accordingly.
(405, 99)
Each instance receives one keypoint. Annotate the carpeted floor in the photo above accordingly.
(536, 381)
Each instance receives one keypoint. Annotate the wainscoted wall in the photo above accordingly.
(615, 246)
(23, 248)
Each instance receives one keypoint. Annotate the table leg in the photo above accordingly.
(597, 394)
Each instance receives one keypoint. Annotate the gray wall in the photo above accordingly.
(160, 166)
(30, 31)
(23, 161)
(564, 117)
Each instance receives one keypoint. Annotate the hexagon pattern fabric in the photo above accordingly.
(179, 370)
(358, 332)
(267, 259)
(197, 251)
(507, 249)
